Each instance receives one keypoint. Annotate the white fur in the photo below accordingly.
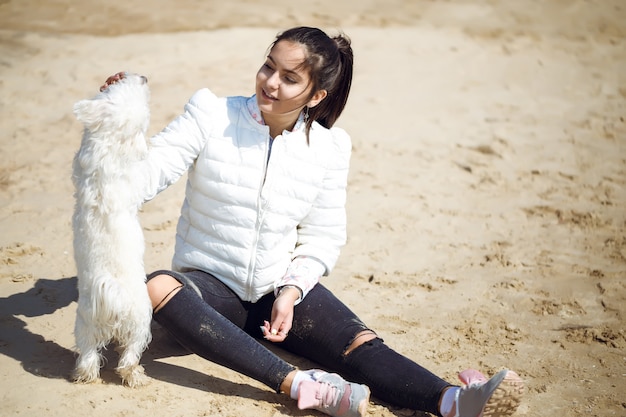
(113, 302)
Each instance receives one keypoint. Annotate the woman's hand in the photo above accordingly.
(282, 315)
(112, 80)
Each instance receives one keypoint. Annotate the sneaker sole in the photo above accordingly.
(506, 398)
(362, 409)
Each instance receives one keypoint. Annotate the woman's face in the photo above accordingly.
(281, 87)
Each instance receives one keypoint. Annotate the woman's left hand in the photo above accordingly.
(282, 316)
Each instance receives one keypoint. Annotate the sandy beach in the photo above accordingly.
(486, 200)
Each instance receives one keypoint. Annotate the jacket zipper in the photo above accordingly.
(259, 221)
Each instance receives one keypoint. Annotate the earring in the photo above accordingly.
(306, 114)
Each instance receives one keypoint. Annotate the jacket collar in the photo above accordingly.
(255, 113)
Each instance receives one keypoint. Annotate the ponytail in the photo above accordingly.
(329, 109)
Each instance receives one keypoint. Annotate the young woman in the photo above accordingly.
(263, 219)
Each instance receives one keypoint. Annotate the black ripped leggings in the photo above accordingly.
(209, 319)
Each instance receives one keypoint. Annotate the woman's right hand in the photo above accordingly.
(112, 80)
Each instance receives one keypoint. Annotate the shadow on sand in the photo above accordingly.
(46, 358)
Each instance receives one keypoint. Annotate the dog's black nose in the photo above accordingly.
(145, 80)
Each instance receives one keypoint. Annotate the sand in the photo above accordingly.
(486, 204)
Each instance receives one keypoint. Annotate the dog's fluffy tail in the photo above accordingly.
(108, 299)
(114, 305)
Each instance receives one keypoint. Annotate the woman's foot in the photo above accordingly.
(333, 395)
(480, 397)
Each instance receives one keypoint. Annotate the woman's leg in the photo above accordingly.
(327, 331)
(205, 316)
(185, 307)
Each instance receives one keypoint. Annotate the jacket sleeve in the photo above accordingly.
(175, 148)
(322, 233)
(303, 273)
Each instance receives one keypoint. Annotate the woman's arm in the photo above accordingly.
(320, 237)
(322, 233)
(175, 148)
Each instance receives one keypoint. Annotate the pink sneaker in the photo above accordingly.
(333, 395)
(496, 397)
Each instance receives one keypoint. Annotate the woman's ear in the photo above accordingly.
(317, 98)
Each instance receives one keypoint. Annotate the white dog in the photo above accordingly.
(113, 302)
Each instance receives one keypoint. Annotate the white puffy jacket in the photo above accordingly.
(244, 219)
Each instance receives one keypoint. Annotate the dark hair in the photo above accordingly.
(329, 61)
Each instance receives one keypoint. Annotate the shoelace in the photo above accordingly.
(328, 395)
(470, 378)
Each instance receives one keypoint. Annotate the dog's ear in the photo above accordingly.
(89, 113)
